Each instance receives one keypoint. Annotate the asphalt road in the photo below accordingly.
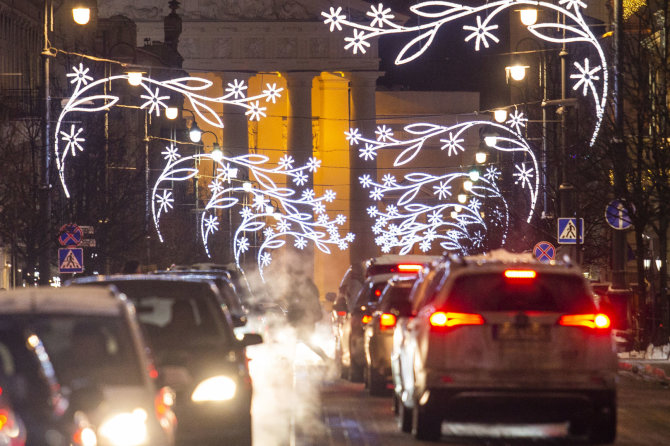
(344, 415)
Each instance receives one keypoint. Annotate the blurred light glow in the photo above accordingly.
(135, 79)
(467, 185)
(490, 141)
(500, 115)
(528, 16)
(474, 175)
(81, 16)
(480, 157)
(125, 429)
(171, 113)
(516, 72)
(216, 388)
(462, 198)
(247, 186)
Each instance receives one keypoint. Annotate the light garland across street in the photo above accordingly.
(299, 217)
(89, 97)
(479, 29)
(420, 209)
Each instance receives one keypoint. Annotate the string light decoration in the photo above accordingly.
(460, 225)
(432, 15)
(89, 97)
(293, 218)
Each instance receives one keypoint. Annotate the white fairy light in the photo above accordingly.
(431, 15)
(408, 221)
(90, 96)
(288, 215)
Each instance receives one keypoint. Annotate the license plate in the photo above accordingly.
(512, 332)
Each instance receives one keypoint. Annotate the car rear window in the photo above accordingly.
(395, 296)
(546, 292)
(370, 295)
(177, 314)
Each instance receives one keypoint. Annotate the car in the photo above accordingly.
(504, 338)
(79, 371)
(197, 353)
(227, 289)
(349, 316)
(378, 337)
(12, 428)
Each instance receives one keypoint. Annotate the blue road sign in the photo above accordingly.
(569, 229)
(70, 235)
(71, 260)
(617, 215)
(545, 252)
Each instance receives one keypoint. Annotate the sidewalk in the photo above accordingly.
(653, 363)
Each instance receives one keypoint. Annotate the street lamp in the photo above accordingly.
(81, 14)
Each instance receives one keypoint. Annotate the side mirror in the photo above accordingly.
(251, 339)
(239, 321)
(330, 297)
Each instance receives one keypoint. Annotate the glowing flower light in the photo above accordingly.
(90, 96)
(431, 15)
(267, 199)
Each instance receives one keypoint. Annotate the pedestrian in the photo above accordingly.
(303, 309)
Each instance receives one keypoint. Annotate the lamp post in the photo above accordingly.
(81, 15)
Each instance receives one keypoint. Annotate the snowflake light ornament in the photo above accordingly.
(257, 217)
(431, 15)
(419, 214)
(90, 96)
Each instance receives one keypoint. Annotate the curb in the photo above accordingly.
(646, 369)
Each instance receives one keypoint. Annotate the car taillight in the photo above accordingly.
(341, 313)
(520, 273)
(600, 320)
(441, 319)
(387, 321)
(409, 268)
(366, 318)
(378, 292)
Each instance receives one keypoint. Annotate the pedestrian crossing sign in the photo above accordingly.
(70, 260)
(570, 231)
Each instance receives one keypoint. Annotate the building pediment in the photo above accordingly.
(227, 10)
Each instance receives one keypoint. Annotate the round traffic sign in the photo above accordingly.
(544, 252)
(617, 215)
(70, 235)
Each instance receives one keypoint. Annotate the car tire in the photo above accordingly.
(376, 382)
(603, 428)
(426, 425)
(404, 417)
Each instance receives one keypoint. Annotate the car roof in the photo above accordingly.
(49, 300)
(390, 259)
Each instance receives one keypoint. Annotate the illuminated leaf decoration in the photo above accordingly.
(297, 208)
(479, 31)
(89, 96)
(419, 214)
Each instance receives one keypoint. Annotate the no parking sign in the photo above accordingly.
(544, 252)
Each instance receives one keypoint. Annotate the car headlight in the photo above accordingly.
(216, 388)
(125, 429)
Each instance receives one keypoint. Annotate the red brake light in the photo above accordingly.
(520, 274)
(387, 320)
(600, 320)
(341, 313)
(448, 319)
(366, 318)
(378, 292)
(409, 267)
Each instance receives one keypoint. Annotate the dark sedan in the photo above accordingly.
(191, 332)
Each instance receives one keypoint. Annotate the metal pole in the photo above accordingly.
(45, 187)
(618, 237)
(566, 189)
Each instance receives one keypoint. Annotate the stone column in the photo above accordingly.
(300, 143)
(235, 123)
(362, 86)
(235, 143)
